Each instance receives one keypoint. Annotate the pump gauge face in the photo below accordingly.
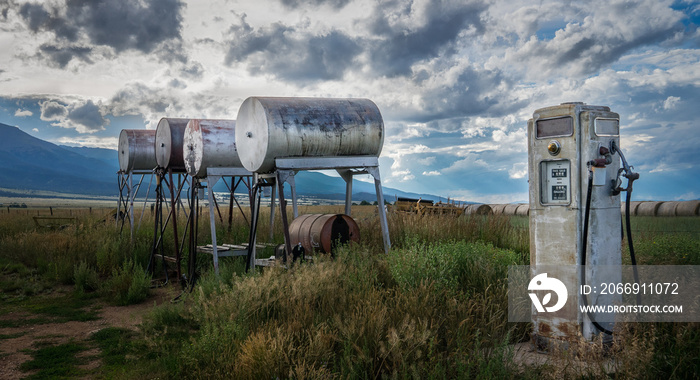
(555, 182)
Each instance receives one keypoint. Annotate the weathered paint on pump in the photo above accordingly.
(556, 229)
(270, 128)
(210, 144)
(137, 150)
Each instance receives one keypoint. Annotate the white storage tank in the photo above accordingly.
(210, 144)
(169, 141)
(270, 128)
(137, 150)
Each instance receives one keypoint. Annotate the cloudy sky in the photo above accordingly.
(456, 81)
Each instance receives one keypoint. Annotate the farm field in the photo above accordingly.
(76, 301)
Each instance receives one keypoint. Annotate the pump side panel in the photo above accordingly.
(604, 229)
(554, 229)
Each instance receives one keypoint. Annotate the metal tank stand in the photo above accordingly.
(127, 194)
(164, 177)
(347, 167)
(238, 176)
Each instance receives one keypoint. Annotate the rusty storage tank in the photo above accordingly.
(269, 128)
(210, 144)
(137, 150)
(648, 208)
(321, 232)
(688, 208)
(169, 143)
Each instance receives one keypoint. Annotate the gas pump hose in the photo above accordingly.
(586, 216)
(628, 226)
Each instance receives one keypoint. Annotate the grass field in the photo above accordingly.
(434, 307)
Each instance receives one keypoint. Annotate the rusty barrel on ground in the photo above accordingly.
(323, 232)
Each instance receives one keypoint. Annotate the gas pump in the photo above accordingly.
(574, 185)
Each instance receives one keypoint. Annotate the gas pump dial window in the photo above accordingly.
(555, 182)
(607, 127)
(556, 127)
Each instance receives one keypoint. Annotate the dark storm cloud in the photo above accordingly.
(51, 110)
(88, 115)
(294, 4)
(5, 6)
(400, 46)
(470, 94)
(585, 47)
(298, 54)
(140, 99)
(146, 26)
(61, 56)
(290, 54)
(39, 18)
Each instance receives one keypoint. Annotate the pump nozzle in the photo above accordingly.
(626, 169)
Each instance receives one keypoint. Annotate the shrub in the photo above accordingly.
(85, 277)
(128, 285)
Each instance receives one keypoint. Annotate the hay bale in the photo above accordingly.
(478, 209)
(648, 208)
(497, 209)
(510, 208)
(688, 208)
(523, 210)
(667, 209)
(633, 207)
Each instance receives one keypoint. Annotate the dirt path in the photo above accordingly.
(128, 317)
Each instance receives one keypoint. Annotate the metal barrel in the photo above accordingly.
(270, 128)
(321, 232)
(137, 150)
(210, 144)
(169, 141)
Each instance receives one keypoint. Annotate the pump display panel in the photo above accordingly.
(556, 127)
(555, 182)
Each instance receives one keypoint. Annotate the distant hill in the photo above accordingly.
(108, 156)
(34, 164)
(29, 163)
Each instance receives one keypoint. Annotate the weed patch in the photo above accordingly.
(55, 361)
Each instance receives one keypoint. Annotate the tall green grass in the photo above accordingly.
(358, 316)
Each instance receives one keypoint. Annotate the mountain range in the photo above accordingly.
(31, 164)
